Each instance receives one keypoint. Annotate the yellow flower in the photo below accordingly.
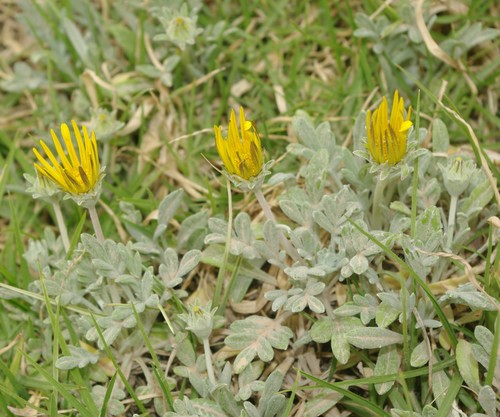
(387, 137)
(78, 174)
(241, 155)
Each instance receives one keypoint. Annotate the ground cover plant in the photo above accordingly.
(249, 208)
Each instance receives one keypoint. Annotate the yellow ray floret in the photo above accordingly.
(387, 136)
(240, 154)
(73, 173)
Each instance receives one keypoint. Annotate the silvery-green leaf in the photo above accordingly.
(348, 309)
(79, 358)
(467, 365)
(419, 355)
(372, 337)
(168, 268)
(218, 226)
(169, 206)
(246, 378)
(271, 388)
(225, 398)
(315, 175)
(256, 335)
(479, 197)
(481, 355)
(91, 244)
(305, 131)
(440, 136)
(193, 230)
(440, 386)
(189, 262)
(322, 330)
(302, 272)
(428, 230)
(400, 207)
(110, 335)
(293, 211)
(388, 362)
(467, 294)
(339, 344)
(487, 399)
(386, 314)
(251, 409)
(243, 227)
(306, 242)
(276, 404)
(359, 264)
(279, 178)
(318, 405)
(484, 337)
(315, 305)
(429, 411)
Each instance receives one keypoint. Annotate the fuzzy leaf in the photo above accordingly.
(420, 355)
(373, 337)
(467, 365)
(169, 206)
(339, 344)
(487, 399)
(79, 358)
(320, 404)
(256, 335)
(440, 136)
(388, 362)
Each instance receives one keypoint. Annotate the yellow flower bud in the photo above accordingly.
(387, 136)
(241, 151)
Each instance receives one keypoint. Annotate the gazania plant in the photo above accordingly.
(356, 275)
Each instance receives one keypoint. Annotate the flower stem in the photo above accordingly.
(96, 223)
(414, 197)
(378, 196)
(222, 270)
(292, 252)
(62, 226)
(451, 221)
(208, 361)
(232, 281)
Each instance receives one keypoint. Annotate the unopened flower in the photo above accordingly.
(457, 175)
(180, 26)
(200, 320)
(104, 124)
(78, 174)
(241, 151)
(386, 137)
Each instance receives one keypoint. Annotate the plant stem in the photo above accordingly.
(208, 361)
(292, 252)
(232, 281)
(378, 196)
(222, 270)
(414, 198)
(451, 221)
(105, 153)
(62, 226)
(96, 223)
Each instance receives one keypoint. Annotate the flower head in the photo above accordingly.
(387, 136)
(457, 175)
(241, 154)
(180, 26)
(200, 320)
(77, 174)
